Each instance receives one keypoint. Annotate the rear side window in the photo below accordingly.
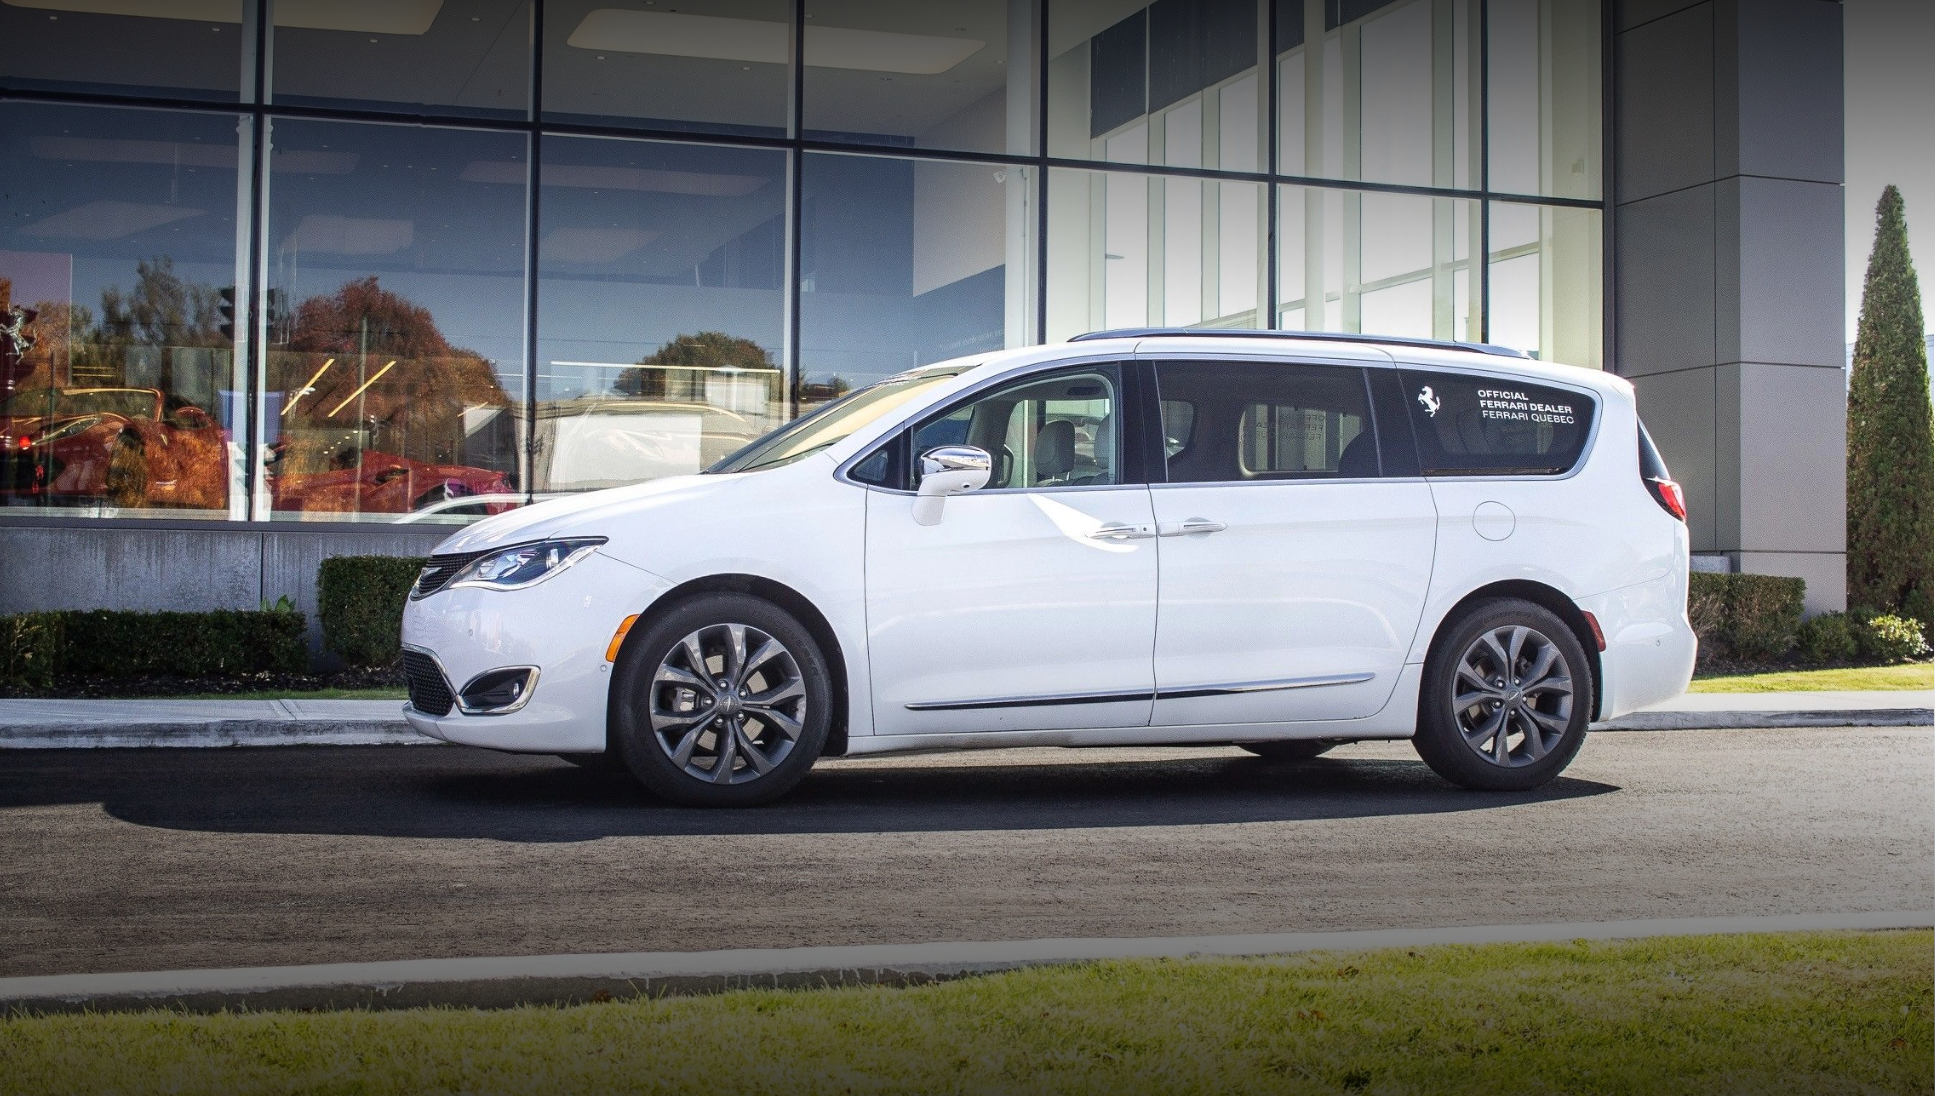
(1228, 422)
(1473, 425)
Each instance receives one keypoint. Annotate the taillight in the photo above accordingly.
(1668, 495)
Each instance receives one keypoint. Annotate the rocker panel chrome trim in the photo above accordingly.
(1183, 693)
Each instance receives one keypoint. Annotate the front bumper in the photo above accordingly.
(562, 626)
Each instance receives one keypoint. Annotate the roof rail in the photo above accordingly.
(1296, 336)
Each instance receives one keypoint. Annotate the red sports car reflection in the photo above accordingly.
(371, 482)
(131, 447)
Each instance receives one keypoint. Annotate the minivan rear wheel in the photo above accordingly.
(724, 702)
(1505, 703)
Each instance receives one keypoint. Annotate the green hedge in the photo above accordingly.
(1745, 618)
(30, 647)
(360, 601)
(104, 644)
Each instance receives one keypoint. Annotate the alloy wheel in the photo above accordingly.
(727, 704)
(1513, 696)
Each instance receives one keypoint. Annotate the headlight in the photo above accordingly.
(524, 565)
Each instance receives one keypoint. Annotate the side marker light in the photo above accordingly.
(622, 633)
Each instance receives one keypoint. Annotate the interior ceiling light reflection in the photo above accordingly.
(718, 39)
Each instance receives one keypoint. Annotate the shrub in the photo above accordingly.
(222, 643)
(360, 601)
(99, 643)
(1827, 638)
(1745, 618)
(30, 646)
(1883, 638)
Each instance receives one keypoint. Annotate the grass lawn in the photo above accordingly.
(1913, 675)
(1779, 1013)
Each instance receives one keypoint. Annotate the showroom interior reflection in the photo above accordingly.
(393, 366)
(1175, 82)
(662, 308)
(910, 261)
(717, 66)
(465, 58)
(119, 386)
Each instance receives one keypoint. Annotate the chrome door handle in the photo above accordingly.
(1122, 532)
(1192, 526)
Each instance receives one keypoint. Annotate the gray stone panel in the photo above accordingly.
(1635, 13)
(1727, 399)
(1792, 458)
(1680, 410)
(1787, 100)
(1785, 272)
(1663, 105)
(131, 567)
(1664, 291)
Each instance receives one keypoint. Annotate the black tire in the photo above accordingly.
(1301, 749)
(639, 701)
(1539, 733)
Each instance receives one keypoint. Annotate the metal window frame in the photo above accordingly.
(255, 105)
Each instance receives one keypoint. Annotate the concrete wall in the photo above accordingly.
(1729, 265)
(185, 566)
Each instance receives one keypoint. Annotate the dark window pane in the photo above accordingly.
(49, 45)
(1479, 425)
(906, 262)
(662, 308)
(453, 57)
(1238, 421)
(119, 389)
(1052, 431)
(958, 74)
(393, 374)
(716, 66)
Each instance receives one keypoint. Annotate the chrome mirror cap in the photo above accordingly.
(949, 470)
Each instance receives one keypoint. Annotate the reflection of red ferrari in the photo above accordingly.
(131, 447)
(381, 483)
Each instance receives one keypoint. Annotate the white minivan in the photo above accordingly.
(1276, 541)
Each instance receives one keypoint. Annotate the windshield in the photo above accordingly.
(55, 403)
(831, 424)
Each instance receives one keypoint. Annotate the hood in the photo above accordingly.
(580, 515)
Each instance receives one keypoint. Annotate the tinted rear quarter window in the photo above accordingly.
(1470, 424)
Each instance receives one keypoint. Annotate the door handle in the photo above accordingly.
(1122, 532)
(1193, 526)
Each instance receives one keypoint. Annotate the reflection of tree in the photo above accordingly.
(816, 392)
(162, 310)
(413, 409)
(704, 350)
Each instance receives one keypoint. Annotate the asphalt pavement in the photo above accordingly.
(119, 860)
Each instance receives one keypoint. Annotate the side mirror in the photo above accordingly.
(949, 470)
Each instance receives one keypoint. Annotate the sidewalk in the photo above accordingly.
(62, 724)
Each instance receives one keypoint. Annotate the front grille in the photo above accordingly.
(425, 684)
(439, 571)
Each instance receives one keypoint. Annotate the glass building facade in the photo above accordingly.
(425, 260)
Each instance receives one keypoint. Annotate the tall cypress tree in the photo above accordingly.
(1890, 435)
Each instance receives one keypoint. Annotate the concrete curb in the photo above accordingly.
(1730, 720)
(217, 732)
(576, 979)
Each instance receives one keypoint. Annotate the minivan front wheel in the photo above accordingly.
(1505, 703)
(724, 702)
